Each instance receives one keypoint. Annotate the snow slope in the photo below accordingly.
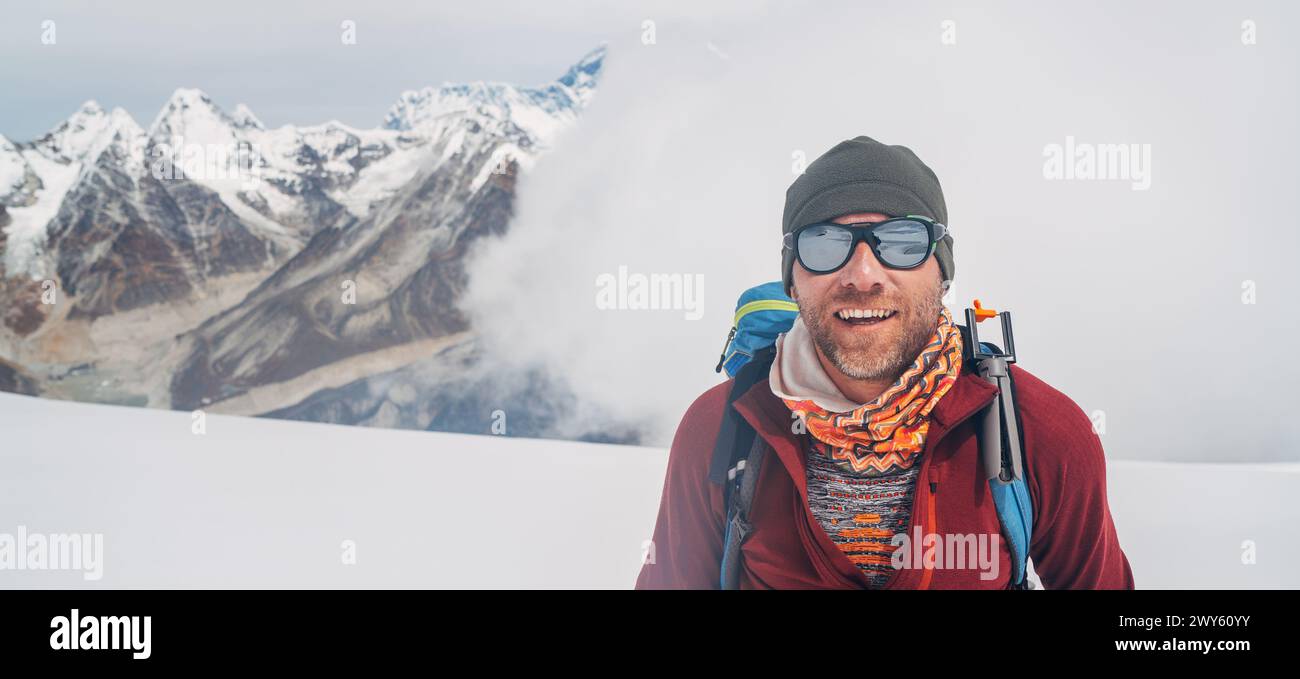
(13, 171)
(256, 502)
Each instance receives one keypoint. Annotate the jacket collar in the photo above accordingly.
(770, 417)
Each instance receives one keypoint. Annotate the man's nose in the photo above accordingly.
(863, 271)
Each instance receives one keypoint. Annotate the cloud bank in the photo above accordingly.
(1129, 301)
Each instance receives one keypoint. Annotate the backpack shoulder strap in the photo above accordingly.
(735, 435)
(738, 525)
(1002, 451)
(737, 458)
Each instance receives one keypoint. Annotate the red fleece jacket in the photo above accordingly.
(1074, 543)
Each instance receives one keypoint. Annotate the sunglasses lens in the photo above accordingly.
(824, 247)
(904, 243)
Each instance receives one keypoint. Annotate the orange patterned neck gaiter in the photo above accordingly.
(889, 433)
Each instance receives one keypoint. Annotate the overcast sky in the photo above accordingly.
(286, 60)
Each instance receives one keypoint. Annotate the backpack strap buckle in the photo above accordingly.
(981, 350)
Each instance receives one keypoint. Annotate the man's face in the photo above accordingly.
(870, 349)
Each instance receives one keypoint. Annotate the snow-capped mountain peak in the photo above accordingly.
(89, 109)
(244, 118)
(85, 133)
(192, 115)
(47, 169)
(538, 111)
(189, 97)
(122, 130)
(582, 76)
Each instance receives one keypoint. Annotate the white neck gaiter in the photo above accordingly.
(797, 373)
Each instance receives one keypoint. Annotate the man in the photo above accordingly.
(871, 413)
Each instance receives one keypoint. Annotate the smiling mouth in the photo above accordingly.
(864, 316)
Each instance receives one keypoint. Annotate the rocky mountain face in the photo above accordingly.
(124, 239)
(210, 262)
(363, 286)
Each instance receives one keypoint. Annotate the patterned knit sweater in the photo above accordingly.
(860, 512)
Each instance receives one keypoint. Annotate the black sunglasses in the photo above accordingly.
(899, 243)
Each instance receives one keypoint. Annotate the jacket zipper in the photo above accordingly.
(933, 522)
(913, 522)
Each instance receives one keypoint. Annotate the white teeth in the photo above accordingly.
(864, 313)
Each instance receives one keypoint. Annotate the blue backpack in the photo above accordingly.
(762, 313)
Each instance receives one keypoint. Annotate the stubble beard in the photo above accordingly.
(884, 355)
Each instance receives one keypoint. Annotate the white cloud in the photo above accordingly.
(1127, 301)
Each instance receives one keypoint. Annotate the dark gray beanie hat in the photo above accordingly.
(863, 175)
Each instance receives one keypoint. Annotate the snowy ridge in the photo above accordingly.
(300, 178)
(539, 112)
